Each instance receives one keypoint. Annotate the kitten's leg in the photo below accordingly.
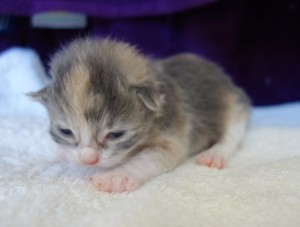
(218, 155)
(144, 166)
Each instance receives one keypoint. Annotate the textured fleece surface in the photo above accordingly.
(261, 186)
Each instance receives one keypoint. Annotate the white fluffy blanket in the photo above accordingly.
(261, 186)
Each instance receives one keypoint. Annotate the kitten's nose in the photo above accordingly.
(89, 156)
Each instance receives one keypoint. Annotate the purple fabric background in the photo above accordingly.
(101, 8)
(255, 41)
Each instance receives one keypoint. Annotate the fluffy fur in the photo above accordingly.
(137, 117)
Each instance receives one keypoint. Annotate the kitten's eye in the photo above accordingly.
(115, 135)
(66, 132)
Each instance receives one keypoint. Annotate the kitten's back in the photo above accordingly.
(207, 94)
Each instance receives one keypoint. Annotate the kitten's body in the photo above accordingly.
(140, 117)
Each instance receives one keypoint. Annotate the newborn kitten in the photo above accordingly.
(112, 107)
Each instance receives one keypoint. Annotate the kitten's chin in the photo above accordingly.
(108, 164)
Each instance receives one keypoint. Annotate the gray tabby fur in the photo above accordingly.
(177, 106)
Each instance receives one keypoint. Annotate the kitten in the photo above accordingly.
(114, 108)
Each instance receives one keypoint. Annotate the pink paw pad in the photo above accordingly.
(211, 159)
(114, 182)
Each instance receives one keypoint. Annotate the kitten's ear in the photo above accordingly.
(150, 97)
(40, 96)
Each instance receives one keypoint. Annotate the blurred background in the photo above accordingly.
(257, 42)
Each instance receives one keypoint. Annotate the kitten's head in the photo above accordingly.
(102, 101)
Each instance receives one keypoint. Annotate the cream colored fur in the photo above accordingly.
(260, 187)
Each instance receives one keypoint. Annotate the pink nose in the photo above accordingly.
(89, 156)
(90, 160)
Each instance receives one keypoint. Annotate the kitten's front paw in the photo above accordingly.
(115, 182)
(211, 159)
